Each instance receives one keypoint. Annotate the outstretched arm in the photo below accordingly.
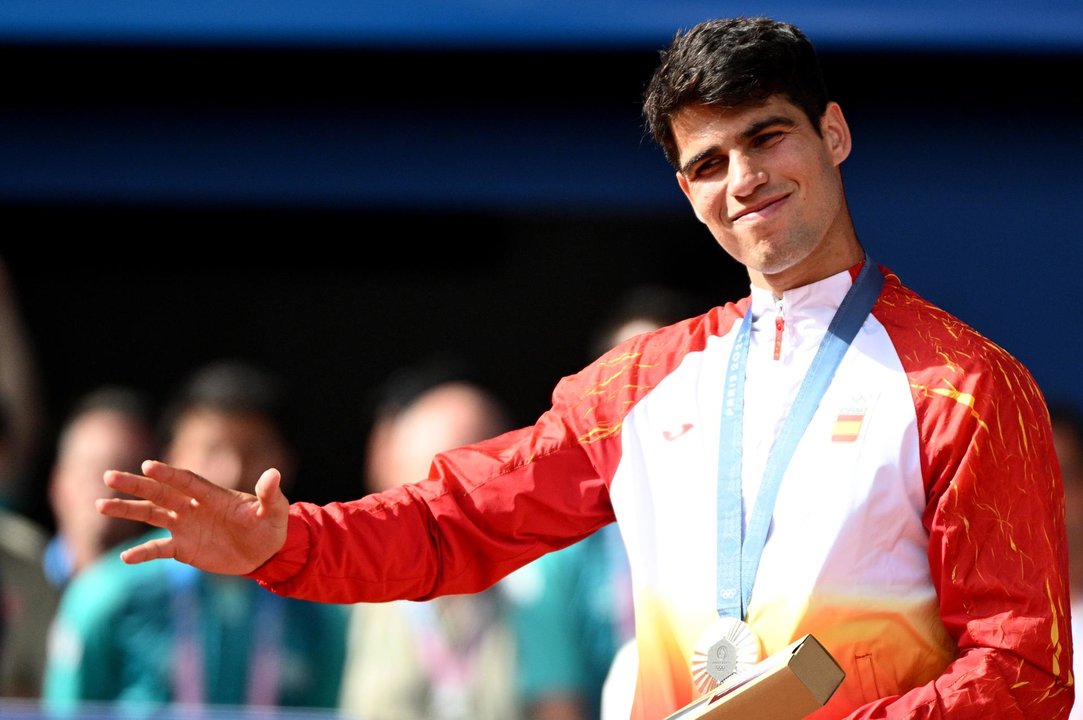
(211, 527)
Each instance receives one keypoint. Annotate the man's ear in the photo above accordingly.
(683, 182)
(836, 133)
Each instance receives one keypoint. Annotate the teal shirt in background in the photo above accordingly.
(162, 632)
(571, 612)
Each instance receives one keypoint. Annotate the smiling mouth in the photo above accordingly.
(759, 208)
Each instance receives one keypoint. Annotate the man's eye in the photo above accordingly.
(709, 166)
(764, 139)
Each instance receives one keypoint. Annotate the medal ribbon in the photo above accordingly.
(190, 671)
(738, 560)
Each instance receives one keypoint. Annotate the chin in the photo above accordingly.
(775, 261)
(769, 266)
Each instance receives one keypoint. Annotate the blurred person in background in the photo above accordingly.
(108, 426)
(111, 426)
(1067, 419)
(20, 391)
(451, 657)
(572, 609)
(173, 634)
(27, 599)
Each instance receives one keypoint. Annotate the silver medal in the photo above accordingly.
(721, 660)
(726, 648)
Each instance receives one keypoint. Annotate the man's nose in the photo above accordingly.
(744, 175)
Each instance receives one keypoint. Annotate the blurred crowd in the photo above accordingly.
(85, 635)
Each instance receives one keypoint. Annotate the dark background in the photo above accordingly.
(334, 211)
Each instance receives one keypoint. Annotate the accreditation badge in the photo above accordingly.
(727, 647)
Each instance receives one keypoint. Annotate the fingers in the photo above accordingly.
(147, 488)
(184, 481)
(138, 510)
(156, 549)
(164, 485)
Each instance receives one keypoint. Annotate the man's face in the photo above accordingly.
(98, 441)
(451, 415)
(766, 184)
(229, 449)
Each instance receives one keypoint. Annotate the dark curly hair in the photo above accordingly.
(730, 63)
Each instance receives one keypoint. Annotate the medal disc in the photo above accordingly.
(727, 647)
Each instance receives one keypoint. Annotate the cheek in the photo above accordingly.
(709, 202)
(828, 198)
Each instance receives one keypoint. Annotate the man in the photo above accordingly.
(452, 657)
(109, 428)
(830, 455)
(169, 633)
(27, 599)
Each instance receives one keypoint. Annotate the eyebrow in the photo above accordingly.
(749, 132)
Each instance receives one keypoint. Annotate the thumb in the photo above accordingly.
(269, 493)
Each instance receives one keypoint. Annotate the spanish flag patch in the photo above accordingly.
(847, 426)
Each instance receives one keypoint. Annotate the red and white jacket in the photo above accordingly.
(918, 531)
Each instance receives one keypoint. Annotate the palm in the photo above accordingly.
(211, 527)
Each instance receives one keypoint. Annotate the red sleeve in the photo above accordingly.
(484, 511)
(997, 541)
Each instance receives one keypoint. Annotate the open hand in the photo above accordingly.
(211, 527)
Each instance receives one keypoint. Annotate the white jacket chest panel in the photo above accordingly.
(852, 488)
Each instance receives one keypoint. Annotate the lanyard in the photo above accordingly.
(190, 669)
(450, 634)
(738, 560)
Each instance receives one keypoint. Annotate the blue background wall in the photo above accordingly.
(919, 24)
(335, 189)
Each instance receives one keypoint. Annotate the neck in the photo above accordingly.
(817, 266)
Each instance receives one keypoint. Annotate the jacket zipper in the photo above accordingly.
(780, 323)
